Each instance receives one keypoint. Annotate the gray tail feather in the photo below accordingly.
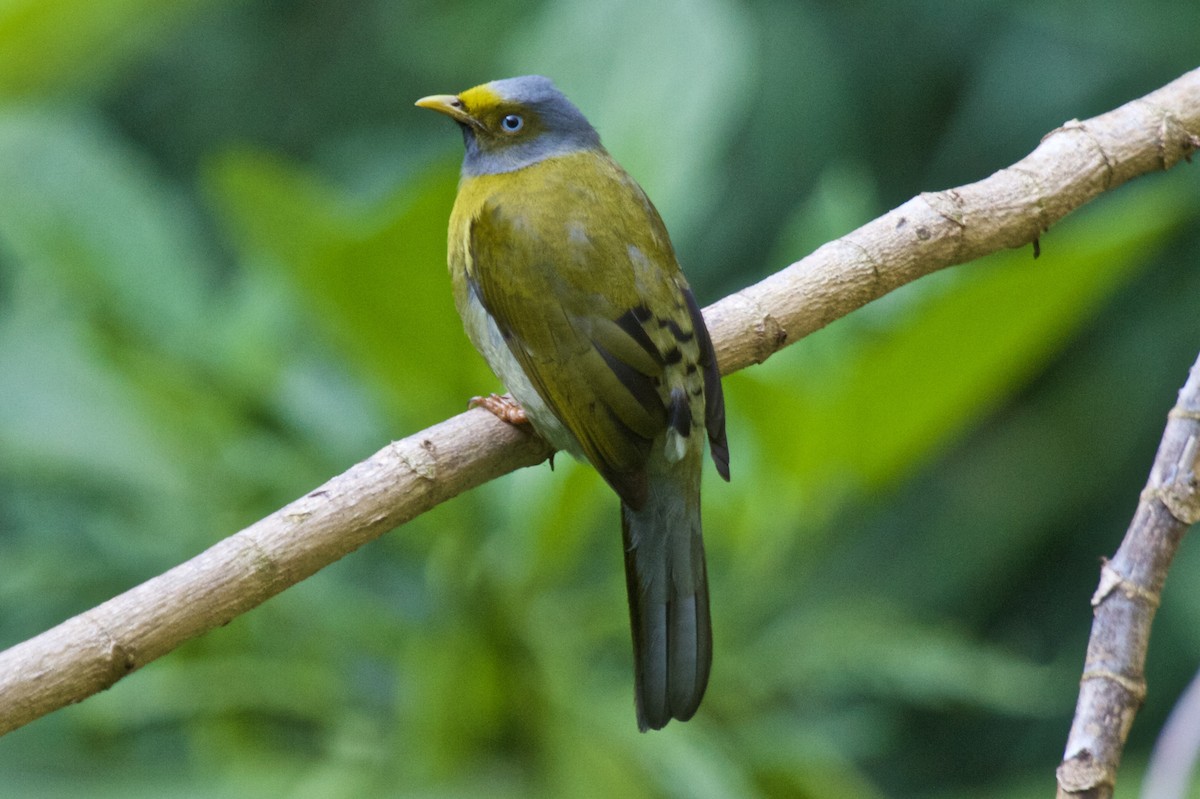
(668, 610)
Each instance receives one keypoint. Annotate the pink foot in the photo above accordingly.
(504, 408)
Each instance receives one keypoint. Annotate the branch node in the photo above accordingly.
(1112, 580)
(1134, 686)
(1082, 772)
(1191, 143)
(260, 557)
(1181, 495)
(922, 233)
(947, 204)
(1110, 169)
(1175, 141)
(1070, 124)
(1038, 191)
(770, 335)
(421, 459)
(120, 659)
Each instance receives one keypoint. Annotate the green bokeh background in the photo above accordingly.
(222, 281)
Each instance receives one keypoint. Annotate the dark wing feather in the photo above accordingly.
(714, 397)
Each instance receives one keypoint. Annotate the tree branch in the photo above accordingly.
(1071, 166)
(1113, 684)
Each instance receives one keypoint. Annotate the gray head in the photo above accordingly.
(513, 123)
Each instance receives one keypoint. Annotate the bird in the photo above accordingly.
(569, 287)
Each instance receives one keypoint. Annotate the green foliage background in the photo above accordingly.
(222, 281)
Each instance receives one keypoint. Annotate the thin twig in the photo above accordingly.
(1011, 208)
(1113, 684)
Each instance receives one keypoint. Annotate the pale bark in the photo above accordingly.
(1114, 683)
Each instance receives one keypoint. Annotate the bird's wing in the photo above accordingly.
(593, 306)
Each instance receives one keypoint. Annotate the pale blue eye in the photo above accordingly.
(512, 123)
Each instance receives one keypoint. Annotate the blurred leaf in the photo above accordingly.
(851, 649)
(175, 691)
(122, 356)
(88, 228)
(49, 45)
(66, 414)
(376, 279)
(797, 755)
(844, 198)
(88, 217)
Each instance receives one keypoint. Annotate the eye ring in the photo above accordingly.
(512, 123)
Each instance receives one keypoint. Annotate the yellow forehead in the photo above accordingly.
(481, 97)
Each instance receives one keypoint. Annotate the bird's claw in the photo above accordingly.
(504, 408)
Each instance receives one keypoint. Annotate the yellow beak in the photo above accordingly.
(447, 104)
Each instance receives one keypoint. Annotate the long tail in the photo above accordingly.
(668, 600)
